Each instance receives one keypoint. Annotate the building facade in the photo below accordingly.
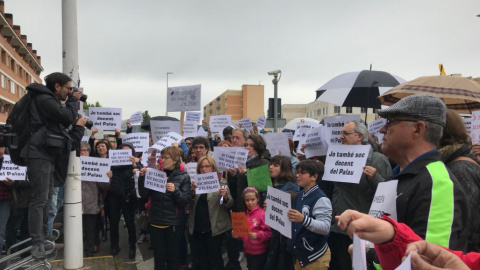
(19, 64)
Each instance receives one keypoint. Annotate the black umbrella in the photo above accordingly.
(146, 125)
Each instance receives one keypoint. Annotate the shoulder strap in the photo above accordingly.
(466, 159)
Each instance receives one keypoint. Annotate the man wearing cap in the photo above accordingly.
(429, 198)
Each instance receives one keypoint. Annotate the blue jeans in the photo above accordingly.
(4, 214)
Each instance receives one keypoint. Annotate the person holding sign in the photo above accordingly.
(209, 220)
(256, 243)
(310, 219)
(166, 213)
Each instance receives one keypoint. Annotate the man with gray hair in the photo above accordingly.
(355, 196)
(430, 199)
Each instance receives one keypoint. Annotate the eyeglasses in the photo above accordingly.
(301, 172)
(166, 157)
(248, 144)
(84, 150)
(69, 88)
(205, 166)
(391, 122)
(345, 133)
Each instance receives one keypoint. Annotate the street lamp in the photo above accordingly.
(275, 81)
(166, 109)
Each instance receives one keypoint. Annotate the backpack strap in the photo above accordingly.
(466, 159)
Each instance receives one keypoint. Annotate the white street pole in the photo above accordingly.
(166, 109)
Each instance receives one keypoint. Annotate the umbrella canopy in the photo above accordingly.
(292, 124)
(458, 93)
(146, 125)
(358, 89)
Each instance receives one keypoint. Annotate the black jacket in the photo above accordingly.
(168, 209)
(122, 182)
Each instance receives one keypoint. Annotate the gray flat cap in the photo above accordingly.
(422, 107)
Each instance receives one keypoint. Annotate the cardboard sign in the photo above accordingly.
(218, 123)
(207, 183)
(315, 143)
(375, 126)
(12, 171)
(184, 98)
(139, 141)
(193, 116)
(345, 163)
(276, 215)
(246, 123)
(359, 258)
(136, 118)
(385, 200)
(165, 141)
(335, 124)
(190, 128)
(120, 157)
(156, 180)
(240, 225)
(161, 128)
(277, 144)
(95, 169)
(261, 123)
(229, 157)
(302, 129)
(105, 118)
(259, 178)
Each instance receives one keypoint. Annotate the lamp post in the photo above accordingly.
(166, 109)
(275, 81)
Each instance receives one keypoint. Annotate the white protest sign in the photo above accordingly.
(407, 263)
(385, 200)
(201, 132)
(335, 124)
(345, 163)
(315, 143)
(192, 169)
(193, 116)
(277, 144)
(139, 141)
(261, 122)
(184, 98)
(12, 171)
(375, 126)
(229, 157)
(165, 141)
(301, 142)
(105, 118)
(156, 180)
(136, 118)
(85, 139)
(468, 124)
(218, 123)
(359, 258)
(303, 128)
(278, 204)
(95, 169)
(160, 128)
(190, 128)
(475, 127)
(207, 183)
(120, 157)
(246, 123)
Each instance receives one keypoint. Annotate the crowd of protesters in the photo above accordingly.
(425, 147)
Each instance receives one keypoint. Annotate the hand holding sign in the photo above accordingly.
(436, 256)
(366, 227)
(240, 225)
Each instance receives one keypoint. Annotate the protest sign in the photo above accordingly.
(229, 157)
(315, 143)
(184, 98)
(345, 163)
(276, 214)
(138, 140)
(468, 124)
(277, 144)
(120, 157)
(335, 124)
(359, 258)
(136, 118)
(207, 183)
(259, 178)
(201, 132)
(385, 200)
(475, 127)
(193, 116)
(218, 123)
(12, 171)
(246, 123)
(95, 169)
(160, 128)
(190, 128)
(156, 180)
(85, 139)
(407, 263)
(165, 141)
(105, 118)
(261, 123)
(301, 142)
(192, 169)
(302, 129)
(240, 225)
(375, 126)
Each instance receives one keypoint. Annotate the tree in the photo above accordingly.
(145, 116)
(88, 105)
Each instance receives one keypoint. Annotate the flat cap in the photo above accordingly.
(423, 107)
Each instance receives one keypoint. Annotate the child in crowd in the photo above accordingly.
(256, 243)
(311, 218)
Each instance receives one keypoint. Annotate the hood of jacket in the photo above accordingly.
(39, 89)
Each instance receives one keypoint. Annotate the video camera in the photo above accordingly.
(83, 98)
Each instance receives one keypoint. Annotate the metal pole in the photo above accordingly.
(275, 105)
(166, 109)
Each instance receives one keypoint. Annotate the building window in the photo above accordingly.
(319, 111)
(12, 87)
(363, 110)
(20, 92)
(349, 109)
(3, 81)
(336, 109)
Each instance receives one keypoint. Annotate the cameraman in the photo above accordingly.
(48, 119)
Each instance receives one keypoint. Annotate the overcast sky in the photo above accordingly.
(127, 47)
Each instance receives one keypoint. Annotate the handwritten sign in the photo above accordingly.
(276, 215)
(468, 124)
(218, 123)
(385, 200)
(201, 132)
(161, 128)
(229, 157)
(359, 258)
(105, 118)
(95, 169)
(246, 123)
(261, 123)
(240, 225)
(345, 163)
(190, 128)
(165, 141)
(138, 140)
(136, 118)
(184, 98)
(12, 171)
(207, 183)
(302, 129)
(335, 124)
(315, 143)
(259, 178)
(277, 144)
(192, 170)
(375, 126)
(120, 157)
(156, 180)
(193, 116)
